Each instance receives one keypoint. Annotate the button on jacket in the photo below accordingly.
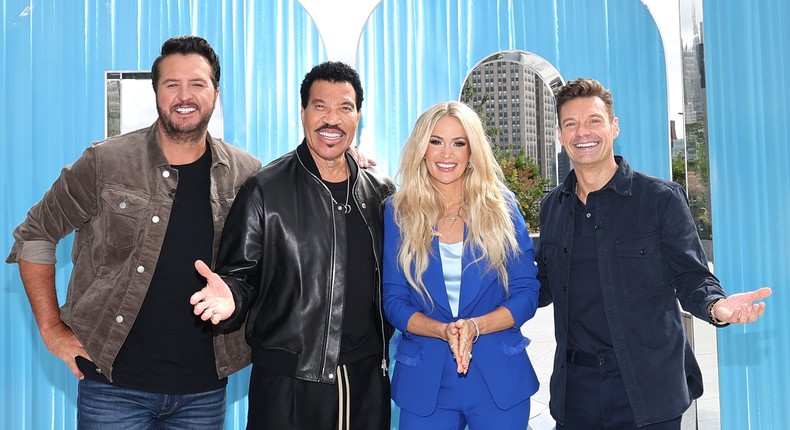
(650, 257)
(117, 197)
(283, 256)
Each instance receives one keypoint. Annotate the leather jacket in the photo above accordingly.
(283, 256)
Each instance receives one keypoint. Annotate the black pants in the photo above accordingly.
(595, 399)
(359, 401)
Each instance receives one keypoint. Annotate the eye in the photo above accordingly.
(459, 143)
(347, 109)
(569, 124)
(435, 142)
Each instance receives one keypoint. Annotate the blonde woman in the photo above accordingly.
(459, 281)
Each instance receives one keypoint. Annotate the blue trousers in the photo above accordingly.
(102, 406)
(464, 400)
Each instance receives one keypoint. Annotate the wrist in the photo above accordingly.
(712, 313)
(477, 329)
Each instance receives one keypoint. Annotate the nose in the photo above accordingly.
(184, 92)
(332, 117)
(447, 151)
(583, 130)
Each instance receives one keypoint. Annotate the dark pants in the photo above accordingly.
(595, 397)
(360, 400)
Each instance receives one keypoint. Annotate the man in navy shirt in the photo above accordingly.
(618, 251)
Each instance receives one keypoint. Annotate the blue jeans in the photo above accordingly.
(102, 406)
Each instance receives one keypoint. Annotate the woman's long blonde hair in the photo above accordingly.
(418, 205)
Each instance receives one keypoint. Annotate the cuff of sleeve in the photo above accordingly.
(712, 317)
(33, 251)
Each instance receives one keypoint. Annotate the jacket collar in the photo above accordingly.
(620, 183)
(156, 156)
(306, 159)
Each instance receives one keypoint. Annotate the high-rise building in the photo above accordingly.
(519, 111)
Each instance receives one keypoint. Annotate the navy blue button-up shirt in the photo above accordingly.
(649, 259)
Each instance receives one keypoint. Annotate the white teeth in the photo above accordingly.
(185, 110)
(446, 166)
(586, 144)
(329, 135)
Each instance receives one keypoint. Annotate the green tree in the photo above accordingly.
(679, 169)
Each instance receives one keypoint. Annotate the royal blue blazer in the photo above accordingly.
(500, 357)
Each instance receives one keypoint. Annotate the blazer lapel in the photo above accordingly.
(474, 281)
(434, 281)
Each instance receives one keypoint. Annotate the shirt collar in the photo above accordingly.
(620, 183)
(156, 156)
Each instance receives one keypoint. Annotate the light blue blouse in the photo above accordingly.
(451, 266)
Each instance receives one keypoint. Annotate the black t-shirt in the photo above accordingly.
(360, 338)
(169, 349)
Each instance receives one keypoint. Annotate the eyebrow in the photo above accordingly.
(452, 138)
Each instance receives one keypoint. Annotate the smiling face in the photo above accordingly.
(587, 133)
(447, 154)
(185, 96)
(330, 119)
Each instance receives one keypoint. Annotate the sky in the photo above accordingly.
(667, 16)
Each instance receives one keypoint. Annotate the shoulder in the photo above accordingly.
(236, 157)
(129, 142)
(655, 187)
(280, 171)
(379, 180)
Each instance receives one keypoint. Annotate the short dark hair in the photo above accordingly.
(581, 88)
(332, 71)
(185, 45)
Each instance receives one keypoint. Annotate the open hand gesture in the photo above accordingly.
(215, 301)
(740, 308)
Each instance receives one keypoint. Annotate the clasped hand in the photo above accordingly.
(460, 336)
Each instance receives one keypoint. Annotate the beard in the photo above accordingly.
(180, 132)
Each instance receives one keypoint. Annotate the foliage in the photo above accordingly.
(679, 169)
(695, 177)
(522, 177)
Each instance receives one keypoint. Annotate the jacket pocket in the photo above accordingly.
(510, 348)
(552, 258)
(409, 353)
(122, 213)
(641, 264)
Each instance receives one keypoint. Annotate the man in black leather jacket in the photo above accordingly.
(300, 260)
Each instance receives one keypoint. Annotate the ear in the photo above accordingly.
(615, 127)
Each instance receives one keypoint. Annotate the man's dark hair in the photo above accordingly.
(332, 71)
(581, 88)
(186, 45)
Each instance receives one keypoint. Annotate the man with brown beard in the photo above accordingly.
(144, 205)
